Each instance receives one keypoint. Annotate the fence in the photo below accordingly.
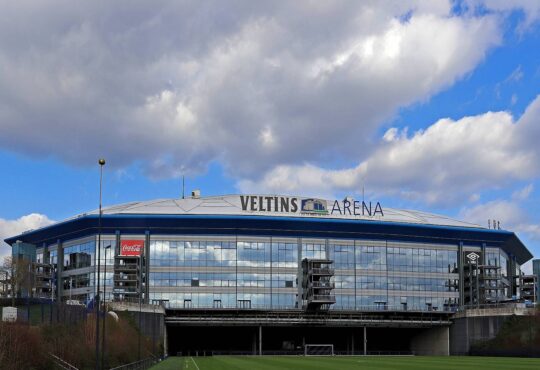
(38, 311)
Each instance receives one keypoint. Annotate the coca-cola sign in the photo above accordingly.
(131, 247)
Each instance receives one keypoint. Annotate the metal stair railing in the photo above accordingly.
(61, 363)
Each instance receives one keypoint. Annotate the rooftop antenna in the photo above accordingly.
(362, 193)
(183, 187)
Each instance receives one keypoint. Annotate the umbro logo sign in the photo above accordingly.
(473, 257)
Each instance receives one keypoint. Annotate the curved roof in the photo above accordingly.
(273, 215)
(232, 205)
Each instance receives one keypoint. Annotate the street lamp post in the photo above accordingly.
(104, 307)
(101, 163)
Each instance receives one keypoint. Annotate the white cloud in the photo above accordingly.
(9, 228)
(251, 84)
(523, 194)
(529, 8)
(516, 75)
(511, 217)
(447, 161)
(509, 214)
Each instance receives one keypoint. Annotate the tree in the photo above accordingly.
(4, 283)
(19, 276)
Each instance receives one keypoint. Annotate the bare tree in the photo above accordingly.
(4, 283)
(19, 276)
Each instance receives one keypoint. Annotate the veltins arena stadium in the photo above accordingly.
(282, 274)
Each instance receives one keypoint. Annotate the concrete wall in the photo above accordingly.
(467, 330)
(432, 342)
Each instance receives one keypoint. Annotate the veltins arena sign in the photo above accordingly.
(309, 206)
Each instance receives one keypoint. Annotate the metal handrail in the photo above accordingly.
(322, 270)
(126, 267)
(322, 297)
(62, 363)
(321, 284)
(128, 277)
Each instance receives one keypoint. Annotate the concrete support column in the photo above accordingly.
(260, 340)
(365, 341)
(511, 273)
(117, 248)
(165, 341)
(477, 270)
(46, 254)
(116, 254)
(461, 276)
(147, 268)
(471, 284)
(60, 271)
(299, 275)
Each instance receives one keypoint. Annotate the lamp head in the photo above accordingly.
(101, 162)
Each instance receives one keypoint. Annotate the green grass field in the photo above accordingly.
(346, 363)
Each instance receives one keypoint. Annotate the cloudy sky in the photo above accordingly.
(430, 105)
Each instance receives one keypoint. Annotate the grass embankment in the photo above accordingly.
(27, 347)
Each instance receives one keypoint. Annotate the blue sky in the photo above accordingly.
(427, 105)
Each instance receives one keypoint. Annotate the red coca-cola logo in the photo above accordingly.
(131, 247)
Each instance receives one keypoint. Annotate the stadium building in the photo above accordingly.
(261, 274)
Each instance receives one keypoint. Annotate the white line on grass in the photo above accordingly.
(194, 363)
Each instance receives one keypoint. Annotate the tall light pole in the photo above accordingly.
(140, 306)
(101, 163)
(104, 307)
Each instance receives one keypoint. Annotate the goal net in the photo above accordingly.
(319, 350)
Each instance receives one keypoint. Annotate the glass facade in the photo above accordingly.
(224, 273)
(79, 267)
(264, 273)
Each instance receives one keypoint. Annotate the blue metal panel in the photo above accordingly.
(276, 226)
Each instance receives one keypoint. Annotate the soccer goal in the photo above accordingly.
(319, 350)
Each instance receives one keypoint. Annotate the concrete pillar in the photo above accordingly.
(471, 283)
(147, 268)
(299, 274)
(365, 341)
(477, 270)
(165, 341)
(60, 271)
(117, 248)
(461, 276)
(512, 276)
(260, 340)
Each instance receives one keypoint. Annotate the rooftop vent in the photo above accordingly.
(196, 194)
